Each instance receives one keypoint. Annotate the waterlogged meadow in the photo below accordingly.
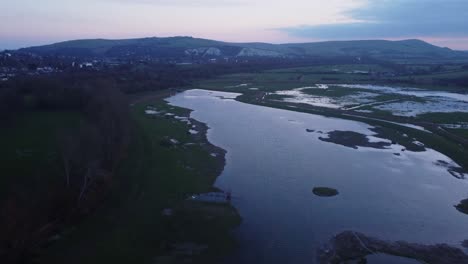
(398, 101)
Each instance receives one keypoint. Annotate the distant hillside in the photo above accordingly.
(374, 48)
(178, 47)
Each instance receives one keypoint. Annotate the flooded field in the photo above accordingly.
(400, 101)
(276, 158)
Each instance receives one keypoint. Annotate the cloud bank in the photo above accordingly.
(395, 19)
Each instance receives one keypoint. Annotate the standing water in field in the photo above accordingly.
(275, 158)
(400, 101)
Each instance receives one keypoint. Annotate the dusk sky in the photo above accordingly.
(33, 22)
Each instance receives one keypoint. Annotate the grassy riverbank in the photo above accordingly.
(130, 226)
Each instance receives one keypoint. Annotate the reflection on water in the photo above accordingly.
(273, 165)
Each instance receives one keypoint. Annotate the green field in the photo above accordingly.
(344, 68)
(282, 79)
(290, 78)
(130, 228)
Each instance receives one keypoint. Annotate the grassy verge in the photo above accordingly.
(130, 226)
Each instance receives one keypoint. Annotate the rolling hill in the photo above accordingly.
(178, 47)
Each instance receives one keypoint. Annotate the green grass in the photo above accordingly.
(460, 132)
(273, 82)
(129, 228)
(337, 68)
(444, 118)
(284, 79)
(397, 136)
(452, 74)
(278, 96)
(29, 151)
(442, 81)
(281, 79)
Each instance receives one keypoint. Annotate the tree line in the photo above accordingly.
(86, 157)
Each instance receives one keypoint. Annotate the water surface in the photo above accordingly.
(273, 164)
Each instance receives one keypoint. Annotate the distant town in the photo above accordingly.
(17, 63)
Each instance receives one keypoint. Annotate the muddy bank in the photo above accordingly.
(349, 245)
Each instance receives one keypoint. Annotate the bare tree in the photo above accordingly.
(68, 145)
(89, 158)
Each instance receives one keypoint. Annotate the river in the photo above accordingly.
(272, 164)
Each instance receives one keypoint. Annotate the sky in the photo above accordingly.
(32, 22)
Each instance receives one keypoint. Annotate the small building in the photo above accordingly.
(86, 65)
(45, 69)
(212, 197)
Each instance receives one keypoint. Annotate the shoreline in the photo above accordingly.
(225, 212)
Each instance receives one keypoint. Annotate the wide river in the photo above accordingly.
(273, 163)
